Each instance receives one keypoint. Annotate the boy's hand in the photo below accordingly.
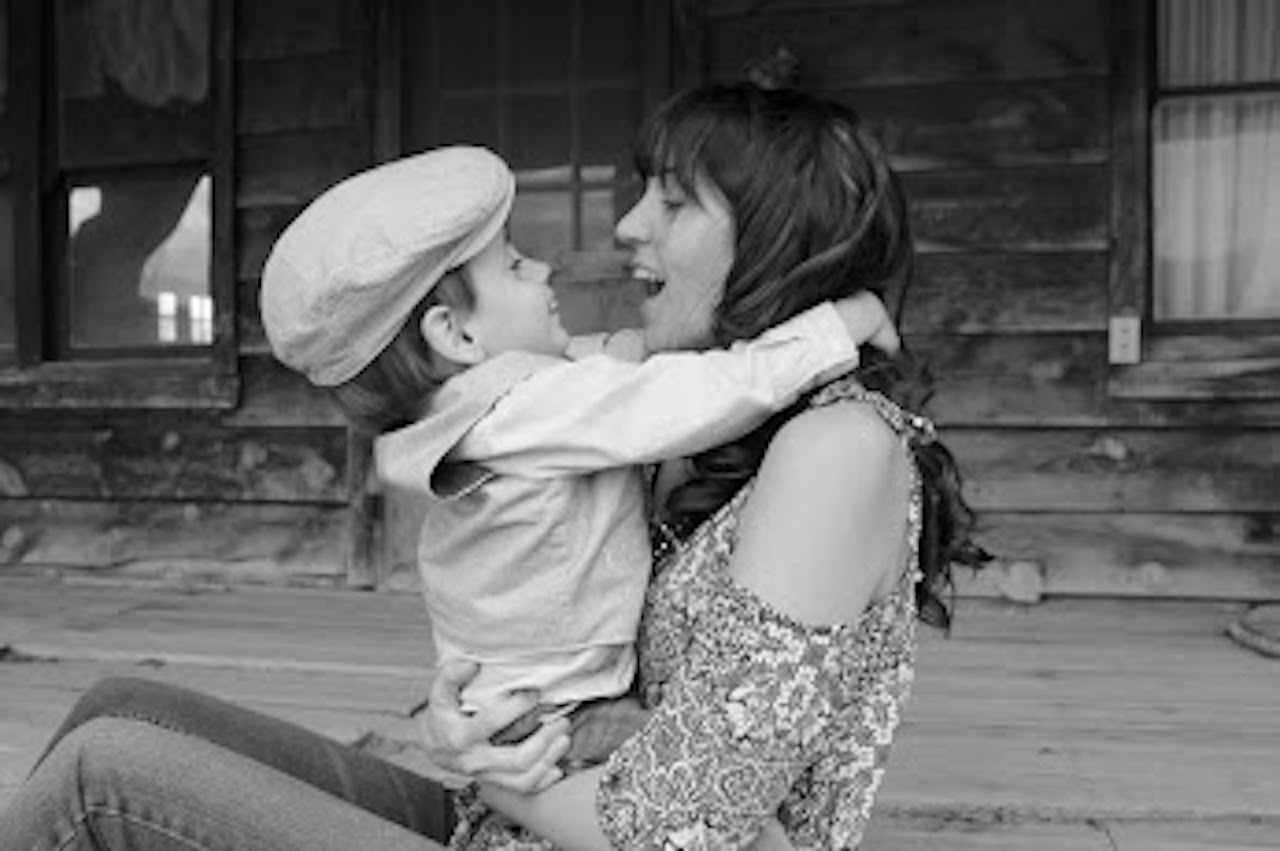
(868, 321)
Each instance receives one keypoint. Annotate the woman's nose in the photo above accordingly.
(628, 231)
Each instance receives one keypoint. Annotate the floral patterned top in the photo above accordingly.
(756, 715)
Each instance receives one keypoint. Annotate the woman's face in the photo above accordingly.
(682, 246)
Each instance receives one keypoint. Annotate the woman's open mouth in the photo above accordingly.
(652, 283)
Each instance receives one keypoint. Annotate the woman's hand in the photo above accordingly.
(458, 742)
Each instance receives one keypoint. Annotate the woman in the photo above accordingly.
(778, 638)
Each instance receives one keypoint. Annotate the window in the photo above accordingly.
(557, 87)
(1216, 160)
(115, 220)
(1195, 272)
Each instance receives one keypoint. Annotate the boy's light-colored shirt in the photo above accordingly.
(534, 551)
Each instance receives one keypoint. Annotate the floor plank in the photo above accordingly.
(1208, 835)
(926, 833)
(297, 629)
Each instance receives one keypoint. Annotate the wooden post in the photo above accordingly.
(1130, 268)
(365, 513)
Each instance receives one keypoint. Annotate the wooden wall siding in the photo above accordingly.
(969, 125)
(943, 41)
(1214, 555)
(1053, 379)
(295, 28)
(1032, 209)
(177, 541)
(1240, 378)
(975, 293)
(178, 461)
(1114, 470)
(273, 395)
(289, 169)
(317, 89)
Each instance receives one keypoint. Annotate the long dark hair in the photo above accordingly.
(819, 215)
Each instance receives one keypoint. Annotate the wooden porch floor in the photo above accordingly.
(1075, 725)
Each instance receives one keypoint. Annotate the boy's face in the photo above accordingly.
(515, 307)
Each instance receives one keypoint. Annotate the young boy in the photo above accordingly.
(400, 289)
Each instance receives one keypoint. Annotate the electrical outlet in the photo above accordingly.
(1124, 340)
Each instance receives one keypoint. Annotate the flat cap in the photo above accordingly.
(345, 274)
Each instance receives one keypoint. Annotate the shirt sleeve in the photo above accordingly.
(756, 697)
(599, 412)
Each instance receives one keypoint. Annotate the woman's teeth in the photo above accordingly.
(652, 283)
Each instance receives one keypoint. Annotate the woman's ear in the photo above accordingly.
(446, 333)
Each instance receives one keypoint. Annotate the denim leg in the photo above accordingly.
(383, 788)
(123, 785)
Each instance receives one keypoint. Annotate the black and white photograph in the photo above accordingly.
(687, 425)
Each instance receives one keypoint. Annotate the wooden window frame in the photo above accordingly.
(1168, 360)
(663, 24)
(204, 378)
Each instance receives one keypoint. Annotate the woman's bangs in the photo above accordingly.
(673, 149)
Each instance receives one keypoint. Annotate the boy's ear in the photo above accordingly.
(446, 334)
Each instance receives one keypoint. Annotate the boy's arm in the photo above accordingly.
(624, 344)
(599, 412)
(865, 317)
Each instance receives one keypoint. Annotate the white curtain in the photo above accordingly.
(1216, 162)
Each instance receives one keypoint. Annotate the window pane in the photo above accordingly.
(610, 119)
(538, 130)
(542, 223)
(133, 81)
(611, 38)
(538, 33)
(7, 318)
(4, 56)
(139, 262)
(467, 39)
(472, 120)
(1217, 207)
(1216, 42)
(598, 218)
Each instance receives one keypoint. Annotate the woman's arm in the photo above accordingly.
(565, 814)
(457, 743)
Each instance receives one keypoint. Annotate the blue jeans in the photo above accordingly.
(142, 765)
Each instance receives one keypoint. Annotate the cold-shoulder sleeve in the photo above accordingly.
(757, 697)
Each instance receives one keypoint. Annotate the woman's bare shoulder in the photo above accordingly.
(844, 433)
(829, 494)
